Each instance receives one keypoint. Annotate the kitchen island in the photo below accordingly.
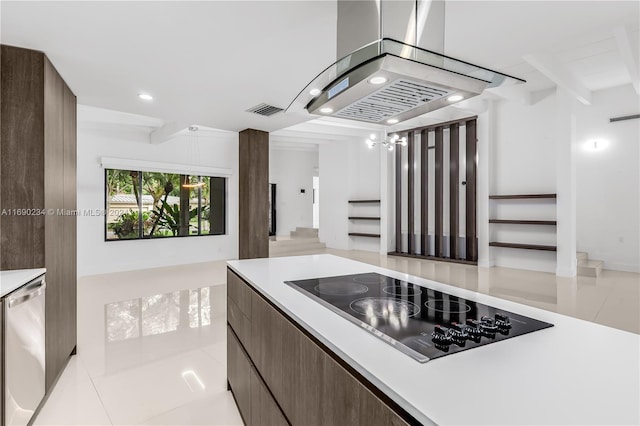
(576, 372)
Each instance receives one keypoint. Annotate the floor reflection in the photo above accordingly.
(157, 314)
(151, 327)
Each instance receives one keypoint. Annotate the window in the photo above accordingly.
(163, 205)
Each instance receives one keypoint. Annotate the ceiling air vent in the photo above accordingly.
(264, 109)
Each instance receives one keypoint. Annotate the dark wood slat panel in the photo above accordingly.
(22, 156)
(439, 180)
(363, 218)
(424, 192)
(471, 225)
(521, 196)
(524, 222)
(410, 191)
(363, 234)
(398, 154)
(460, 121)
(253, 203)
(454, 186)
(444, 259)
(523, 246)
(363, 201)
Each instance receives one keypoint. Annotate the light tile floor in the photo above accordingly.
(152, 343)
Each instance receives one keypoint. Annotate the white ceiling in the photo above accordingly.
(207, 62)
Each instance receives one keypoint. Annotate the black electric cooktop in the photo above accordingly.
(421, 322)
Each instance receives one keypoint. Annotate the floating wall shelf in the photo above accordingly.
(524, 222)
(523, 246)
(362, 234)
(522, 196)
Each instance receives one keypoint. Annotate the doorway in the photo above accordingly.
(316, 202)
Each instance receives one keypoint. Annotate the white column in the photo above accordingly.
(486, 129)
(565, 184)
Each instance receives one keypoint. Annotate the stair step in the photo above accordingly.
(297, 253)
(590, 268)
(294, 242)
(582, 256)
(295, 246)
(304, 233)
(280, 249)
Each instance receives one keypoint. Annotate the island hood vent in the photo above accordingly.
(387, 81)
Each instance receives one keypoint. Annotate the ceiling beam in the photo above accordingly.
(629, 55)
(516, 93)
(167, 132)
(560, 75)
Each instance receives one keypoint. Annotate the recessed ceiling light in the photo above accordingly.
(392, 120)
(455, 98)
(145, 96)
(315, 92)
(326, 110)
(377, 80)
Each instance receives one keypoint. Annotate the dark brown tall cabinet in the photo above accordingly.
(38, 189)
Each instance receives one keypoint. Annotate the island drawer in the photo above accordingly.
(306, 383)
(239, 292)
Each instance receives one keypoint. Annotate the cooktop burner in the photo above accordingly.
(367, 279)
(340, 288)
(398, 290)
(383, 307)
(420, 321)
(447, 306)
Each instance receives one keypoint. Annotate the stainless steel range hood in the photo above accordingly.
(388, 81)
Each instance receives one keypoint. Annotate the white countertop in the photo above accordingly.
(12, 280)
(574, 373)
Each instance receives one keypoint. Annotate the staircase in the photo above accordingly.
(303, 241)
(588, 267)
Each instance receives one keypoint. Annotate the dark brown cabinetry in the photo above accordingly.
(38, 195)
(292, 378)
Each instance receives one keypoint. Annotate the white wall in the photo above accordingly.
(608, 207)
(95, 140)
(349, 170)
(292, 170)
(523, 158)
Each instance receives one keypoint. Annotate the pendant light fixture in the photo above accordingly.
(388, 142)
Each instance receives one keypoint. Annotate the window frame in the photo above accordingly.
(141, 235)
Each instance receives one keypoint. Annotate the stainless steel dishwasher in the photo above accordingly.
(24, 360)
